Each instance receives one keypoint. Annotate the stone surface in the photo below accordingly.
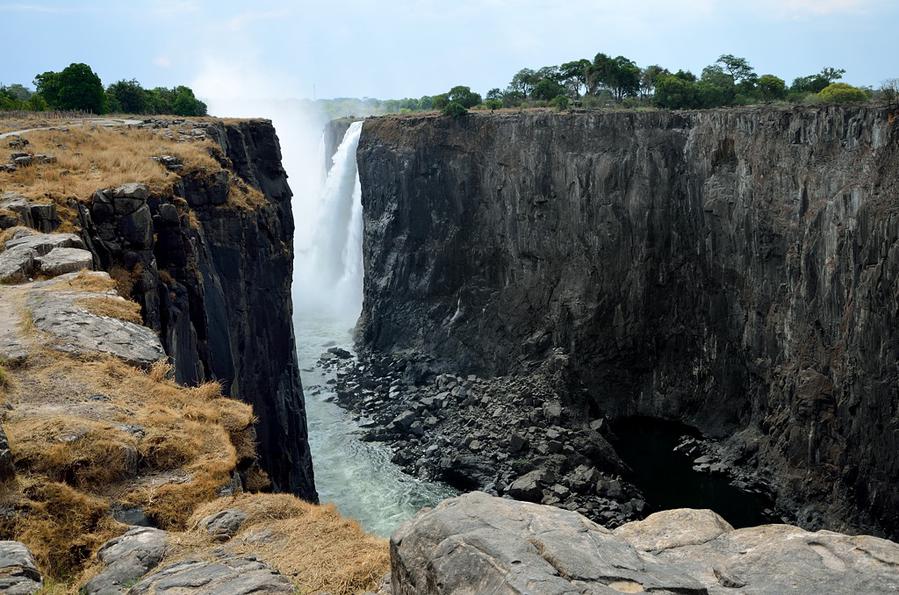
(18, 573)
(43, 243)
(60, 261)
(75, 330)
(225, 524)
(7, 461)
(226, 575)
(217, 290)
(16, 264)
(731, 269)
(480, 544)
(126, 559)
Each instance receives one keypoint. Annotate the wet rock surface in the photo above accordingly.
(478, 544)
(729, 269)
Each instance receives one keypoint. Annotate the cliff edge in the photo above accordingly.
(731, 269)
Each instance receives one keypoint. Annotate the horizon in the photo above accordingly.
(281, 52)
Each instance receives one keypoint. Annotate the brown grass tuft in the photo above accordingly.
(315, 546)
(61, 526)
(160, 371)
(87, 281)
(112, 307)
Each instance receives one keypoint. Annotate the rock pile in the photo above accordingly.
(504, 435)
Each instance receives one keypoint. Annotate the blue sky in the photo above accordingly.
(380, 48)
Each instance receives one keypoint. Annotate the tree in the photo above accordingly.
(648, 78)
(77, 87)
(676, 92)
(186, 104)
(440, 101)
(463, 96)
(816, 83)
(772, 87)
(18, 92)
(523, 82)
(493, 104)
(619, 75)
(127, 97)
(842, 93)
(889, 90)
(547, 89)
(738, 68)
(575, 76)
(494, 94)
(454, 110)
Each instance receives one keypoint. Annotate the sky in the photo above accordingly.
(410, 48)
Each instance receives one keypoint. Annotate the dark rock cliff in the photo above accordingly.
(213, 278)
(737, 270)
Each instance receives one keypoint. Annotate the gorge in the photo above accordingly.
(729, 269)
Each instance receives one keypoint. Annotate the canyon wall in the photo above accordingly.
(213, 278)
(732, 269)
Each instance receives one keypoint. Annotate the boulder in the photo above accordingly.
(76, 330)
(225, 524)
(480, 544)
(43, 243)
(226, 574)
(18, 572)
(16, 264)
(529, 486)
(126, 559)
(60, 261)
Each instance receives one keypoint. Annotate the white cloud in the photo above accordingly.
(162, 61)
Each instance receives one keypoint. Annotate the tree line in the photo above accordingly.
(78, 88)
(619, 81)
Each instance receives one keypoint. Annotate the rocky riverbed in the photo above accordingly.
(512, 435)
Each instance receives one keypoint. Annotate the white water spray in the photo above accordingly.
(330, 269)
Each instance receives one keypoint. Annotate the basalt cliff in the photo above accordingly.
(736, 270)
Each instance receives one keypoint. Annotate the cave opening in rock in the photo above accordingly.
(668, 479)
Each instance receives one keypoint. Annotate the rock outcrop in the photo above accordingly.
(480, 544)
(225, 574)
(213, 279)
(126, 559)
(18, 573)
(731, 269)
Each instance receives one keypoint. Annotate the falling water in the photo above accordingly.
(357, 476)
(331, 269)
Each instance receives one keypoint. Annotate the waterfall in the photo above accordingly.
(331, 268)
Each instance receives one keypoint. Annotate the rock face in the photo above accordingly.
(731, 269)
(480, 544)
(213, 279)
(18, 573)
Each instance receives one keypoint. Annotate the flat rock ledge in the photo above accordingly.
(18, 573)
(225, 575)
(482, 544)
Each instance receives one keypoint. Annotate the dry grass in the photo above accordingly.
(93, 157)
(113, 307)
(86, 281)
(60, 525)
(315, 546)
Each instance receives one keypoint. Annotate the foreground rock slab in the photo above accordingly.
(18, 573)
(227, 575)
(482, 544)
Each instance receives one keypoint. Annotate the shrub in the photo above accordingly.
(561, 102)
(455, 110)
(493, 104)
(771, 87)
(842, 93)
